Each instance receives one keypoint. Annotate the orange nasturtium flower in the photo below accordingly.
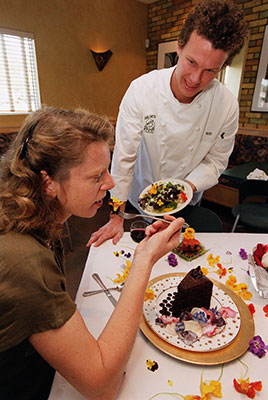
(247, 388)
(213, 388)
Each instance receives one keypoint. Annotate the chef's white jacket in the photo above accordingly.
(157, 137)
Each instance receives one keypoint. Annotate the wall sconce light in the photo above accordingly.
(101, 58)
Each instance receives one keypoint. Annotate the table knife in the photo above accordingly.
(106, 291)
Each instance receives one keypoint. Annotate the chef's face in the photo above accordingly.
(198, 63)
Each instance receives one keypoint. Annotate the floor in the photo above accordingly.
(82, 228)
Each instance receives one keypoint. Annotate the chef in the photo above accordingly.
(179, 122)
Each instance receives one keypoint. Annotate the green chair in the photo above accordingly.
(252, 209)
(201, 219)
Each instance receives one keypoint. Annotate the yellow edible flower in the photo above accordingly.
(189, 233)
(204, 270)
(160, 202)
(149, 294)
(214, 387)
(213, 261)
(153, 190)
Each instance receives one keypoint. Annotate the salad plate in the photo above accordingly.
(166, 196)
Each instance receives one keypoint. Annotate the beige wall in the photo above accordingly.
(64, 32)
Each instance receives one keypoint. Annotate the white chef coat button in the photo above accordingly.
(163, 123)
(197, 128)
(165, 101)
(191, 148)
(183, 166)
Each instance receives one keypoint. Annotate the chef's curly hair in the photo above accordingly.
(221, 22)
(52, 140)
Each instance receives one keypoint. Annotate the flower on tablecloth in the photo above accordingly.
(207, 389)
(120, 278)
(170, 383)
(265, 309)
(172, 260)
(257, 346)
(240, 289)
(221, 270)
(151, 365)
(251, 308)
(243, 254)
(212, 261)
(247, 388)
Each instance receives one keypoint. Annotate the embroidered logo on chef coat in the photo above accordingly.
(208, 133)
(149, 126)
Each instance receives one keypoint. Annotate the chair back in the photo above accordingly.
(253, 188)
(201, 219)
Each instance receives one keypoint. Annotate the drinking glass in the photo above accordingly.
(137, 230)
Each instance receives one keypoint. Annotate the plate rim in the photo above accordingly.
(177, 209)
(223, 355)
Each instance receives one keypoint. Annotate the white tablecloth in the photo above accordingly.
(142, 384)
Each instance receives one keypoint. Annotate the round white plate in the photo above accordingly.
(187, 189)
(219, 298)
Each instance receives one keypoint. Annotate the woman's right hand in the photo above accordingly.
(160, 238)
(112, 230)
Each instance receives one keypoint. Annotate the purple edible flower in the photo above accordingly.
(257, 346)
(172, 260)
(243, 254)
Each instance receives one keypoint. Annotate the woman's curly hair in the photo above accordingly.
(53, 140)
(220, 22)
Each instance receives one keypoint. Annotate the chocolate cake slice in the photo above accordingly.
(194, 290)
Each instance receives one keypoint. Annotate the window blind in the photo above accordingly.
(19, 86)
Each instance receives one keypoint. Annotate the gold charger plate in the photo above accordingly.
(226, 354)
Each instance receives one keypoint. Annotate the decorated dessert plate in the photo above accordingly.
(235, 346)
(164, 290)
(173, 197)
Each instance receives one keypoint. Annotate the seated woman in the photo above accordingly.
(57, 167)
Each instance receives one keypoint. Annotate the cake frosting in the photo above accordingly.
(194, 290)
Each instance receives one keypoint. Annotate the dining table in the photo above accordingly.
(239, 173)
(159, 370)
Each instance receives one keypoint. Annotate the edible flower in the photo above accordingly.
(123, 276)
(221, 270)
(115, 203)
(188, 233)
(246, 387)
(252, 309)
(172, 260)
(211, 388)
(265, 309)
(149, 294)
(240, 289)
(213, 261)
(243, 254)
(153, 189)
(214, 388)
(204, 270)
(257, 346)
(151, 365)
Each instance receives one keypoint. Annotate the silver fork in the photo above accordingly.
(131, 216)
(92, 292)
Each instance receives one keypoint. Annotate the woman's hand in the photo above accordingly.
(160, 238)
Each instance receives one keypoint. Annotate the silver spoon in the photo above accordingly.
(118, 288)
